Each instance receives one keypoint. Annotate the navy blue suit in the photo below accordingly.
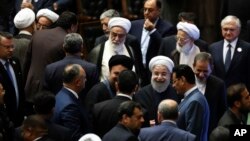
(166, 131)
(53, 73)
(70, 112)
(239, 69)
(194, 115)
(163, 29)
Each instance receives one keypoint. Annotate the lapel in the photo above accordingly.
(187, 97)
(236, 56)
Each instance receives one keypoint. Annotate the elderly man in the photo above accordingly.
(101, 54)
(45, 18)
(151, 95)
(182, 50)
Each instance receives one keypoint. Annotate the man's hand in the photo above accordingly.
(148, 25)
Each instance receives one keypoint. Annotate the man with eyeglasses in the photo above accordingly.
(11, 74)
(115, 45)
(151, 95)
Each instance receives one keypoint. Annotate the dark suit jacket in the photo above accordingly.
(105, 114)
(168, 45)
(163, 29)
(150, 99)
(215, 94)
(239, 69)
(166, 131)
(45, 48)
(134, 43)
(70, 112)
(229, 118)
(15, 114)
(120, 133)
(194, 115)
(54, 71)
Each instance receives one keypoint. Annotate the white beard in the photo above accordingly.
(185, 48)
(118, 48)
(160, 87)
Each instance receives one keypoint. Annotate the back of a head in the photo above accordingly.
(73, 43)
(110, 14)
(71, 72)
(234, 93)
(168, 109)
(185, 71)
(127, 108)
(127, 81)
(90, 137)
(66, 20)
(220, 133)
(44, 102)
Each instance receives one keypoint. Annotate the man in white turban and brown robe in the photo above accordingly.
(160, 88)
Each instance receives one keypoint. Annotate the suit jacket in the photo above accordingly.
(134, 43)
(168, 45)
(54, 71)
(105, 114)
(70, 112)
(150, 99)
(166, 131)
(229, 118)
(14, 111)
(163, 29)
(239, 69)
(120, 133)
(45, 48)
(194, 115)
(215, 94)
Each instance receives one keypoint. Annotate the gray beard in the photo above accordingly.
(184, 49)
(160, 87)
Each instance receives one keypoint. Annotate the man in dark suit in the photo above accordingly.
(11, 74)
(211, 86)
(236, 67)
(193, 109)
(105, 113)
(238, 106)
(106, 89)
(167, 130)
(151, 95)
(73, 45)
(69, 110)
(130, 118)
(149, 31)
(45, 48)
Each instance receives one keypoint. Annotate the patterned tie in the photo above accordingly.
(228, 57)
(7, 65)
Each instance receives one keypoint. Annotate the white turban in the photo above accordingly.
(190, 29)
(90, 137)
(119, 21)
(47, 13)
(24, 18)
(161, 60)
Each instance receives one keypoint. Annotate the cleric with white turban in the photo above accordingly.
(161, 60)
(190, 29)
(48, 14)
(121, 22)
(24, 18)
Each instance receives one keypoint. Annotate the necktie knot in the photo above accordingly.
(229, 46)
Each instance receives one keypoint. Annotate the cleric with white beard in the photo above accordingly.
(186, 35)
(159, 89)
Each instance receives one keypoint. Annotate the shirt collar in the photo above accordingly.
(125, 95)
(73, 92)
(189, 91)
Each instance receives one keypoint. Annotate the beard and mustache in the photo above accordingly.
(160, 86)
(185, 48)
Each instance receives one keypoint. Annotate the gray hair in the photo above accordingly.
(231, 18)
(71, 72)
(110, 14)
(73, 43)
(168, 109)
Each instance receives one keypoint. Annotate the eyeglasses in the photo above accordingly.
(182, 39)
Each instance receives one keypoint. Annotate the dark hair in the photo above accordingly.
(35, 123)
(6, 35)
(73, 43)
(234, 93)
(185, 71)
(121, 60)
(187, 16)
(220, 133)
(204, 56)
(127, 108)
(44, 102)
(158, 3)
(127, 81)
(71, 72)
(66, 20)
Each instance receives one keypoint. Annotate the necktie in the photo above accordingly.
(228, 57)
(7, 65)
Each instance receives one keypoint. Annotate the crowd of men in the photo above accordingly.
(144, 80)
